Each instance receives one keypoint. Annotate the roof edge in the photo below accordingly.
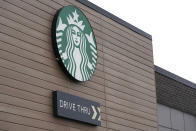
(175, 77)
(115, 18)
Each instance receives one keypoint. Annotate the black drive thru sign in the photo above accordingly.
(76, 108)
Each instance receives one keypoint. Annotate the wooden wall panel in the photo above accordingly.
(123, 82)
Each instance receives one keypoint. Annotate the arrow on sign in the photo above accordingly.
(95, 112)
(99, 119)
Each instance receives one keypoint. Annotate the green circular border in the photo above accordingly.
(54, 41)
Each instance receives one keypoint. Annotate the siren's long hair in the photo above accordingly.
(70, 49)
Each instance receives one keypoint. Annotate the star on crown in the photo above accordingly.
(74, 20)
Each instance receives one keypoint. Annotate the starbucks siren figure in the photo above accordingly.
(76, 53)
(75, 50)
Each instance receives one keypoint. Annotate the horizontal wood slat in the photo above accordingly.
(123, 82)
(19, 117)
(9, 126)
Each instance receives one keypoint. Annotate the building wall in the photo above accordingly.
(175, 93)
(123, 82)
(171, 119)
(177, 99)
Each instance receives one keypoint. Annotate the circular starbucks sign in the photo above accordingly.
(74, 43)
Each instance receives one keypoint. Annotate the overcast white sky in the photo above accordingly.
(172, 24)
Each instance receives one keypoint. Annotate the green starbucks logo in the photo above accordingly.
(74, 43)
